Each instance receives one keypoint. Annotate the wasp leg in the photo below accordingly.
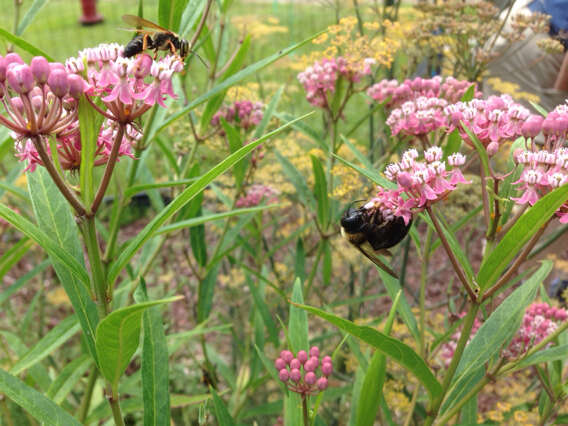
(145, 41)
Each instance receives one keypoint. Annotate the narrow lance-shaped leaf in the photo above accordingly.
(118, 336)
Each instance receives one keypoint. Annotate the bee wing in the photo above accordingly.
(369, 253)
(137, 21)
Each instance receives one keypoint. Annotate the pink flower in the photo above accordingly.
(301, 376)
(418, 117)
(256, 194)
(243, 114)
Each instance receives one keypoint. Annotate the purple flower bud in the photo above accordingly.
(36, 103)
(322, 383)
(326, 359)
(283, 375)
(315, 360)
(279, 363)
(56, 66)
(532, 126)
(40, 69)
(310, 365)
(492, 148)
(17, 104)
(314, 351)
(326, 368)
(287, 356)
(295, 364)
(302, 356)
(13, 58)
(76, 86)
(310, 378)
(20, 78)
(58, 82)
(295, 375)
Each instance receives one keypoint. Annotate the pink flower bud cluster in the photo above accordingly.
(418, 117)
(243, 114)
(449, 89)
(539, 321)
(300, 372)
(319, 80)
(257, 193)
(127, 86)
(493, 120)
(554, 127)
(420, 183)
(543, 171)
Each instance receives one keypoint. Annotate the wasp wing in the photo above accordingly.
(138, 22)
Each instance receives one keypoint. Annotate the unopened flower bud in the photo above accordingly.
(58, 82)
(295, 363)
(322, 383)
(310, 365)
(314, 351)
(36, 103)
(310, 378)
(492, 148)
(13, 58)
(279, 363)
(532, 126)
(20, 78)
(302, 357)
(287, 356)
(327, 368)
(17, 104)
(76, 86)
(40, 69)
(295, 375)
(326, 359)
(283, 375)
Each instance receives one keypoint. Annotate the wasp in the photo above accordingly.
(152, 36)
(370, 233)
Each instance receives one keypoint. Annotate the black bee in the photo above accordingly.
(152, 36)
(364, 227)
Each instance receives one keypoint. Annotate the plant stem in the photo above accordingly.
(115, 406)
(305, 410)
(423, 278)
(87, 396)
(97, 269)
(109, 169)
(450, 253)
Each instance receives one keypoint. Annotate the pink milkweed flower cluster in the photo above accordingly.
(257, 193)
(493, 120)
(243, 114)
(300, 372)
(319, 80)
(39, 100)
(418, 117)
(128, 87)
(539, 321)
(544, 169)
(420, 183)
(449, 89)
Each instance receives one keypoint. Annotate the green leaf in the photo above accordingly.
(221, 412)
(327, 262)
(29, 16)
(234, 79)
(453, 143)
(190, 16)
(238, 60)
(196, 234)
(209, 111)
(469, 93)
(393, 348)
(149, 230)
(24, 45)
(68, 377)
(206, 292)
(155, 379)
(298, 322)
(170, 12)
(188, 223)
(372, 388)
(370, 174)
(264, 311)
(519, 234)
(269, 365)
(118, 336)
(481, 150)
(14, 254)
(56, 337)
(493, 335)
(55, 218)
(293, 174)
(89, 124)
(553, 353)
(235, 143)
(320, 191)
(268, 113)
(37, 405)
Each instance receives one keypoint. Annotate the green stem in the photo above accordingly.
(6, 414)
(87, 396)
(115, 406)
(457, 407)
(462, 342)
(305, 411)
(423, 279)
(97, 269)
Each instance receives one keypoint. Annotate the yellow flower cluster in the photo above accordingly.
(258, 26)
(509, 88)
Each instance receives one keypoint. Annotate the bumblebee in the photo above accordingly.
(368, 231)
(152, 36)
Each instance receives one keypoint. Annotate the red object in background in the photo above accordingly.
(90, 15)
